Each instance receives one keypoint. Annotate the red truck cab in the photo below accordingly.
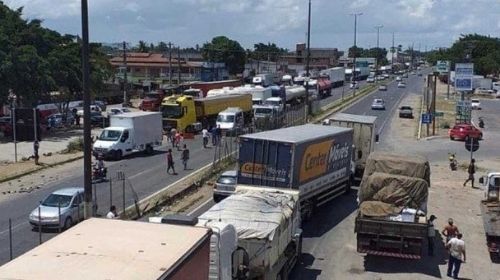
(152, 100)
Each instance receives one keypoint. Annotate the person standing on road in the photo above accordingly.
(205, 136)
(457, 255)
(170, 162)
(173, 132)
(112, 213)
(431, 234)
(36, 146)
(471, 170)
(185, 156)
(450, 230)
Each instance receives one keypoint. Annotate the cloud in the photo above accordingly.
(359, 4)
(417, 8)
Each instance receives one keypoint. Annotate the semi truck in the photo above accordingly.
(116, 249)
(206, 86)
(336, 76)
(187, 114)
(364, 137)
(152, 100)
(259, 93)
(264, 80)
(319, 88)
(256, 233)
(266, 117)
(490, 212)
(391, 220)
(313, 159)
(129, 133)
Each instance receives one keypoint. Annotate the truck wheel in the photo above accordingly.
(118, 155)
(149, 150)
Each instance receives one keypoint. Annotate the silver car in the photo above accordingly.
(61, 209)
(378, 104)
(225, 185)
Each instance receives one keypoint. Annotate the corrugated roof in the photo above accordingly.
(354, 118)
(297, 134)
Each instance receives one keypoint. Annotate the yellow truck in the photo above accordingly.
(187, 114)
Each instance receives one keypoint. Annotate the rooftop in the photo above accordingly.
(296, 134)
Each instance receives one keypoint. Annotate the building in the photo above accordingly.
(320, 58)
(153, 69)
(346, 62)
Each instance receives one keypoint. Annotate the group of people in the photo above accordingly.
(184, 158)
(454, 244)
(214, 132)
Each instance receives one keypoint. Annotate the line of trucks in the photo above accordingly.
(254, 233)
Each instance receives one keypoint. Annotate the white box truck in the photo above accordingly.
(129, 133)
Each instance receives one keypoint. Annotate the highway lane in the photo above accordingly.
(146, 175)
(326, 225)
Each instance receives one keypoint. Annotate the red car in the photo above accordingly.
(464, 132)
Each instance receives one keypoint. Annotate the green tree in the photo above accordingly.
(267, 51)
(142, 47)
(223, 49)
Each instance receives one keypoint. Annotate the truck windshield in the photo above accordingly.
(263, 111)
(171, 111)
(256, 101)
(273, 103)
(225, 118)
(110, 135)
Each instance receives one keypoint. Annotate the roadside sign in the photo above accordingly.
(472, 145)
(463, 84)
(443, 66)
(426, 118)
(464, 70)
(439, 114)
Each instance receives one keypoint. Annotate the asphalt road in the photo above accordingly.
(145, 175)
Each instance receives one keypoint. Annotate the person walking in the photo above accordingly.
(471, 170)
(36, 146)
(178, 139)
(173, 132)
(185, 156)
(450, 230)
(170, 162)
(431, 234)
(112, 213)
(205, 136)
(457, 255)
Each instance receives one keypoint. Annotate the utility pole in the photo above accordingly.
(434, 104)
(378, 48)
(393, 50)
(308, 58)
(125, 82)
(170, 63)
(178, 65)
(355, 49)
(87, 145)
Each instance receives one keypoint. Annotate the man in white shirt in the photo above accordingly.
(206, 135)
(457, 249)
(112, 213)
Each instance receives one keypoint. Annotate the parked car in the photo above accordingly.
(399, 79)
(97, 119)
(93, 108)
(225, 185)
(68, 202)
(382, 87)
(401, 85)
(370, 80)
(378, 104)
(6, 126)
(354, 85)
(117, 111)
(60, 119)
(406, 112)
(101, 105)
(475, 104)
(464, 132)
(484, 91)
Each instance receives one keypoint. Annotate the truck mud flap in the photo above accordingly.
(390, 254)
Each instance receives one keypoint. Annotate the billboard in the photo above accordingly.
(464, 73)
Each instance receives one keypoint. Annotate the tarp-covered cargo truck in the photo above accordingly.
(391, 220)
(314, 159)
(364, 137)
(116, 249)
(185, 113)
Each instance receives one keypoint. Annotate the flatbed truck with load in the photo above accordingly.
(391, 220)
(116, 249)
(256, 234)
(490, 212)
(187, 114)
(316, 160)
(364, 137)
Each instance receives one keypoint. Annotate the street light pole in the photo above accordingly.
(355, 48)
(308, 57)
(87, 160)
(378, 27)
(125, 82)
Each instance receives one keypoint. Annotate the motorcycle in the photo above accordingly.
(481, 122)
(453, 161)
(98, 174)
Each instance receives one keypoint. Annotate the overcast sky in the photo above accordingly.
(430, 23)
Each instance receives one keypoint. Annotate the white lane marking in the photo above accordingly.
(13, 227)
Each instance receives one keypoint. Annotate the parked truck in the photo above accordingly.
(264, 80)
(490, 212)
(129, 133)
(190, 115)
(256, 234)
(116, 249)
(313, 159)
(336, 76)
(319, 88)
(152, 100)
(259, 93)
(206, 86)
(364, 137)
(266, 117)
(391, 220)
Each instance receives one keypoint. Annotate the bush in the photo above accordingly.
(74, 146)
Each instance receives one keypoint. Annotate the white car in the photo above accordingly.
(475, 104)
(354, 85)
(370, 80)
(93, 108)
(378, 104)
(401, 85)
(399, 79)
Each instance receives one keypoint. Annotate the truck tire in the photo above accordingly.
(149, 150)
(118, 155)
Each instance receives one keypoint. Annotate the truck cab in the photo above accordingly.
(491, 186)
(230, 119)
(178, 112)
(276, 102)
(267, 117)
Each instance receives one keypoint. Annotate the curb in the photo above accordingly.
(434, 137)
(13, 177)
